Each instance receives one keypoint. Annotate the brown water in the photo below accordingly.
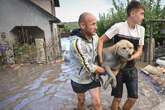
(47, 87)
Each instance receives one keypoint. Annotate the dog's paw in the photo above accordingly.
(108, 79)
(113, 80)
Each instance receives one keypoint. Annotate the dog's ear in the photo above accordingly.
(115, 48)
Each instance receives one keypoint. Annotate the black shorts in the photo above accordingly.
(82, 88)
(129, 76)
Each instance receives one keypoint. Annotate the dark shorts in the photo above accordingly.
(82, 88)
(129, 76)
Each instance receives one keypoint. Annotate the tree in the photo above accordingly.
(153, 10)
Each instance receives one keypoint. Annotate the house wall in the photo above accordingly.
(57, 40)
(22, 12)
(46, 4)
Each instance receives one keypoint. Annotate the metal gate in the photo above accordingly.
(159, 37)
(25, 49)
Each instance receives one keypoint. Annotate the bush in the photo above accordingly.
(153, 10)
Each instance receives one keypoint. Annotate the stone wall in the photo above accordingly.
(6, 50)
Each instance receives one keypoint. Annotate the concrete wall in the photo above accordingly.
(22, 12)
(46, 4)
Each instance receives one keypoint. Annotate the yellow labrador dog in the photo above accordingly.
(114, 59)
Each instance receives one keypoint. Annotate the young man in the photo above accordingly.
(131, 30)
(84, 44)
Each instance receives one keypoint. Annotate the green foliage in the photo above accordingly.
(68, 27)
(115, 14)
(24, 51)
(153, 10)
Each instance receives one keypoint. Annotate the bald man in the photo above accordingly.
(84, 42)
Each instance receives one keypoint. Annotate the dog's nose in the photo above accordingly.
(129, 55)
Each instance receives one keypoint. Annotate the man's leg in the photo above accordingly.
(117, 92)
(80, 90)
(81, 101)
(132, 89)
(96, 98)
(129, 103)
(116, 104)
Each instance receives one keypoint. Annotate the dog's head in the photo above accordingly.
(124, 48)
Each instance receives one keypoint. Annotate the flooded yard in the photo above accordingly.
(47, 87)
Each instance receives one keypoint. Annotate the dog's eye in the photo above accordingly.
(124, 48)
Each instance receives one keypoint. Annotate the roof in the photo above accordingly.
(54, 18)
(56, 3)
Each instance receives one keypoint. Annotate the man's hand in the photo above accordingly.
(131, 58)
(100, 70)
(137, 54)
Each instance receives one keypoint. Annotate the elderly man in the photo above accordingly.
(83, 55)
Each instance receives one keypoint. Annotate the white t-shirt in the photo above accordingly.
(122, 28)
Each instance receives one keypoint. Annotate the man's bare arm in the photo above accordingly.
(138, 53)
(102, 39)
